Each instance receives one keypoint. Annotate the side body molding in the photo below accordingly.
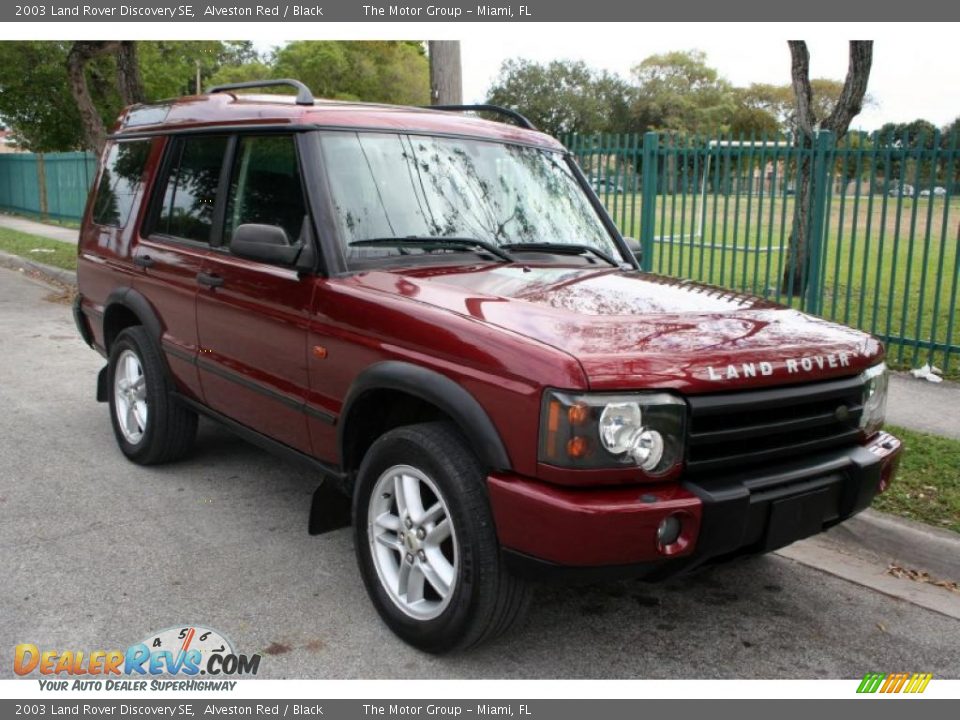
(438, 390)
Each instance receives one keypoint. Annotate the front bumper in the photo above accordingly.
(588, 534)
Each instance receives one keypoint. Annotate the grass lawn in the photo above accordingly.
(891, 265)
(927, 485)
(41, 250)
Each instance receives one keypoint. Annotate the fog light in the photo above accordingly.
(668, 531)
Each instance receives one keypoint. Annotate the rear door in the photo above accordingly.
(178, 233)
(252, 316)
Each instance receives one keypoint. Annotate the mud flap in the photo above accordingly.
(330, 509)
(102, 385)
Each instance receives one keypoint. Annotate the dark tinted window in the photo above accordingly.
(120, 182)
(265, 186)
(191, 188)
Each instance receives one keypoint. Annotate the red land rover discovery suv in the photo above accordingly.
(435, 312)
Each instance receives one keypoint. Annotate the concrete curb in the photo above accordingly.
(58, 275)
(909, 544)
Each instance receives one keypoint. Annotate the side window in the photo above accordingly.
(191, 188)
(122, 175)
(265, 186)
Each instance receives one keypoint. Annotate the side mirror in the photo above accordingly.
(266, 243)
(635, 247)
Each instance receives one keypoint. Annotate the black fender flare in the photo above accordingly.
(438, 390)
(136, 303)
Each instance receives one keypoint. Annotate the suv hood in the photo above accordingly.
(630, 327)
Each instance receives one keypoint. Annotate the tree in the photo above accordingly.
(381, 71)
(778, 101)
(31, 103)
(128, 83)
(678, 91)
(102, 77)
(170, 68)
(806, 123)
(563, 96)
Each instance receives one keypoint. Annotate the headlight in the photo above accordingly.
(875, 382)
(589, 431)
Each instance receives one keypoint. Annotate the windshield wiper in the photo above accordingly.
(563, 249)
(435, 242)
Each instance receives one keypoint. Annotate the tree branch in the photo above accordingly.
(800, 76)
(128, 83)
(850, 102)
(80, 54)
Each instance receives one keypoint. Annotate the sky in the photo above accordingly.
(915, 72)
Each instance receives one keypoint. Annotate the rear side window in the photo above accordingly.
(191, 188)
(265, 186)
(121, 179)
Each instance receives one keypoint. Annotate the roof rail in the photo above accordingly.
(304, 96)
(507, 112)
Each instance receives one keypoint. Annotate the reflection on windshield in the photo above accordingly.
(386, 185)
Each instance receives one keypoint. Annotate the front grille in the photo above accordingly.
(746, 429)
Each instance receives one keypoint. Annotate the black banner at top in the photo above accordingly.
(459, 11)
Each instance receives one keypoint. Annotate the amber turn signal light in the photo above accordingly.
(578, 414)
(578, 447)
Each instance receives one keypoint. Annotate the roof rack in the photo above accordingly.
(304, 96)
(507, 112)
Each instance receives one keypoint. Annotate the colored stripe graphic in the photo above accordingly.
(894, 683)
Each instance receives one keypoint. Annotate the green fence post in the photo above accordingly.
(818, 218)
(648, 207)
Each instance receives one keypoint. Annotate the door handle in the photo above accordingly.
(208, 280)
(143, 261)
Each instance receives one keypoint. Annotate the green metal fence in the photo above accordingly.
(883, 243)
(48, 186)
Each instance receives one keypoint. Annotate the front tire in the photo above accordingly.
(150, 426)
(426, 543)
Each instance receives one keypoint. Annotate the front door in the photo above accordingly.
(252, 317)
(178, 233)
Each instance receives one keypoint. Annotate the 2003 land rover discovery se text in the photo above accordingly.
(435, 312)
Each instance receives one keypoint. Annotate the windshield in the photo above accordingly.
(399, 186)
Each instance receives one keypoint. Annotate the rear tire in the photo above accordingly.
(150, 426)
(426, 542)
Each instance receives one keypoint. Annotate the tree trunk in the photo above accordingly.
(796, 270)
(128, 74)
(128, 83)
(80, 54)
(446, 76)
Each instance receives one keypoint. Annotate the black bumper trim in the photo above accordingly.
(750, 513)
(78, 318)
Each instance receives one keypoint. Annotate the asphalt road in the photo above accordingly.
(96, 553)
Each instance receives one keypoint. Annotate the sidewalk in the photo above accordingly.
(924, 406)
(53, 232)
